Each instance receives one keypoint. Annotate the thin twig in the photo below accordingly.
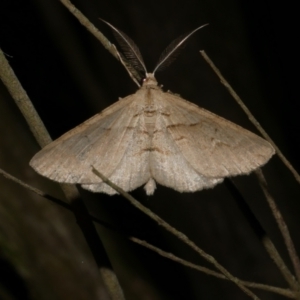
(262, 236)
(280, 222)
(176, 233)
(90, 27)
(101, 38)
(285, 292)
(34, 190)
(283, 228)
(250, 116)
(80, 211)
(270, 247)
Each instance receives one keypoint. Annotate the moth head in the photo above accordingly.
(149, 80)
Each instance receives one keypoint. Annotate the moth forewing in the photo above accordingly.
(214, 146)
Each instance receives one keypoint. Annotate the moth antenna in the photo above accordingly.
(130, 49)
(173, 50)
(133, 73)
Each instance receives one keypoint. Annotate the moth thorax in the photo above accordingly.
(150, 114)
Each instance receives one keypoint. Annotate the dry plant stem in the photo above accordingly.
(281, 291)
(90, 27)
(42, 136)
(276, 213)
(262, 235)
(103, 40)
(95, 245)
(250, 116)
(281, 223)
(285, 292)
(294, 285)
(176, 233)
(34, 190)
(21, 98)
(275, 256)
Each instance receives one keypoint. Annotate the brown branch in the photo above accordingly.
(34, 190)
(176, 233)
(284, 292)
(22, 100)
(250, 116)
(283, 228)
(275, 256)
(262, 236)
(80, 212)
(83, 20)
(101, 38)
(281, 223)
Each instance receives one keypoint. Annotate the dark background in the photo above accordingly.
(69, 76)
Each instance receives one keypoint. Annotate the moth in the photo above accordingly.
(152, 137)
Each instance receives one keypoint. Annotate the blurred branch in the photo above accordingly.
(22, 100)
(42, 136)
(250, 116)
(176, 233)
(284, 292)
(34, 190)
